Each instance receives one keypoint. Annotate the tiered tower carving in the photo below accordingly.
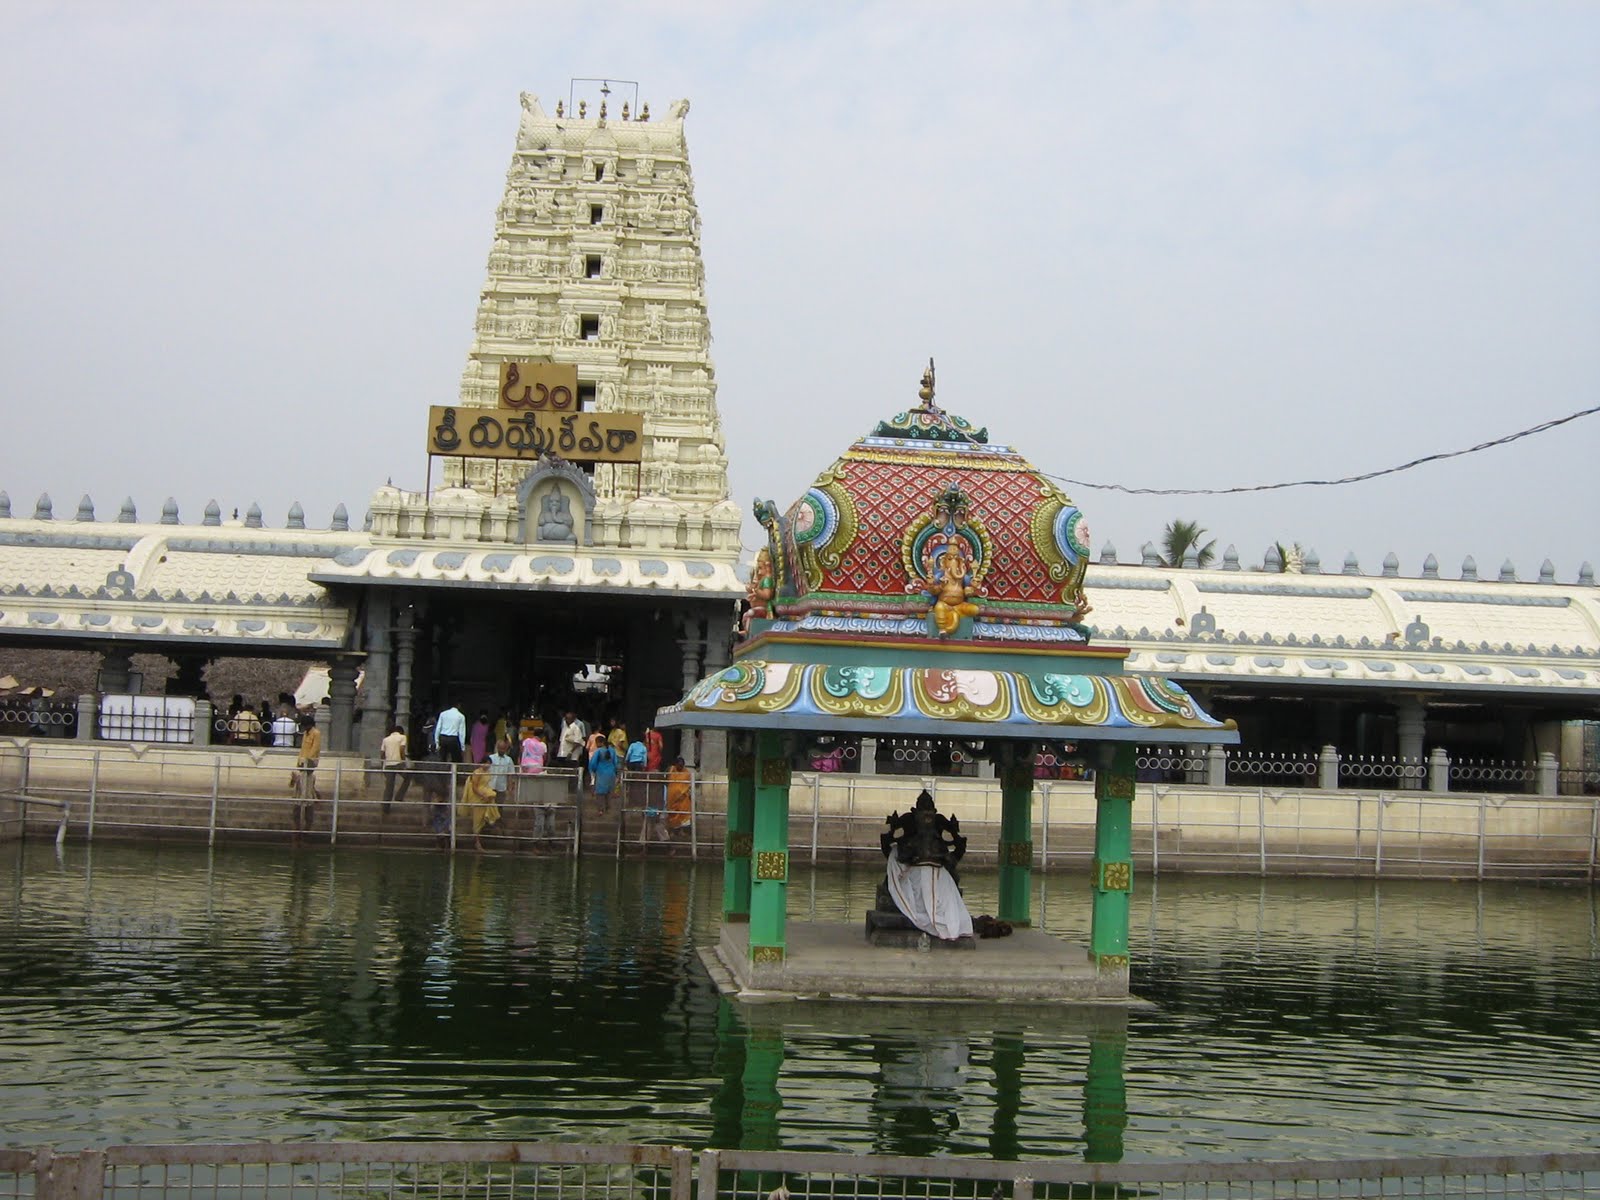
(596, 263)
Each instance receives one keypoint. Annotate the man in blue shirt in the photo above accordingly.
(449, 732)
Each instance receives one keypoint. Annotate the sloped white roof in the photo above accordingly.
(549, 568)
(1350, 629)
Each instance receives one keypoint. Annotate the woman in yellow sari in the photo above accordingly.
(478, 798)
(679, 782)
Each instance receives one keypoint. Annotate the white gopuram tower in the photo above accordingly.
(596, 263)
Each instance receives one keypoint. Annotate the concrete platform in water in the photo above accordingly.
(832, 960)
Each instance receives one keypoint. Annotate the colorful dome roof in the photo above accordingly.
(924, 513)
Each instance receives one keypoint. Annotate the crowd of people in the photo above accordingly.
(281, 726)
(600, 766)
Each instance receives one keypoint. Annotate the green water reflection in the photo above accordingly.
(160, 993)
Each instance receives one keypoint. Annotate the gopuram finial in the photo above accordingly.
(926, 390)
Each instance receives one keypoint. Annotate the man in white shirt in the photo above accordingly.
(283, 730)
(570, 748)
(450, 734)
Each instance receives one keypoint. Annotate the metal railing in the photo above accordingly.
(561, 1171)
(233, 796)
(1469, 774)
(754, 1175)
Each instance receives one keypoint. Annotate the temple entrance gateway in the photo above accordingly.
(928, 585)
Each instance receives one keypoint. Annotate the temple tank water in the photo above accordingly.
(167, 994)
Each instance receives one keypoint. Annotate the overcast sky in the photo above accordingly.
(1163, 245)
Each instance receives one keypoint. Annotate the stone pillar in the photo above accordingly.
(341, 703)
(1438, 770)
(741, 826)
(203, 716)
(405, 658)
(1112, 870)
(116, 667)
(1328, 769)
(714, 742)
(1548, 774)
(867, 762)
(691, 651)
(769, 888)
(375, 696)
(1412, 722)
(1216, 766)
(88, 717)
(1016, 833)
(322, 715)
(1105, 1096)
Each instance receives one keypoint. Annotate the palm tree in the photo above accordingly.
(1179, 537)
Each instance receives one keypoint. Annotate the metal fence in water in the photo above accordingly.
(559, 1171)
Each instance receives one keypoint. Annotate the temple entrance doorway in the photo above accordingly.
(539, 655)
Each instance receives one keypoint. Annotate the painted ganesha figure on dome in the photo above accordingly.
(951, 579)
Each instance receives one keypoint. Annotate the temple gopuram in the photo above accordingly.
(929, 584)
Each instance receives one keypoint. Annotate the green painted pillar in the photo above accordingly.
(769, 888)
(1112, 871)
(1105, 1097)
(741, 825)
(1016, 833)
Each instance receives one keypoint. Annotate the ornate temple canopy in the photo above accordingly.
(931, 583)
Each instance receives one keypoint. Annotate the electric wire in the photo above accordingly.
(1362, 478)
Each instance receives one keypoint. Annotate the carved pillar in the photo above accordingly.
(116, 669)
(769, 886)
(741, 826)
(1016, 832)
(714, 742)
(1112, 870)
(405, 657)
(1412, 720)
(341, 702)
(691, 648)
(375, 685)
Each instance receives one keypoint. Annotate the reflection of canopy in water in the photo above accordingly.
(929, 1064)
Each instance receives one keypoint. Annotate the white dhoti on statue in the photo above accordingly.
(929, 898)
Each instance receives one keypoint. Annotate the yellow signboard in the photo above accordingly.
(528, 433)
(539, 386)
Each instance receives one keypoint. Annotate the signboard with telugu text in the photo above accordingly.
(526, 433)
(549, 387)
